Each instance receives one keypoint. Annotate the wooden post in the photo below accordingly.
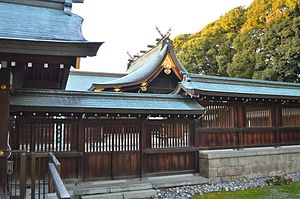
(276, 122)
(23, 175)
(80, 148)
(4, 124)
(196, 153)
(142, 135)
(33, 175)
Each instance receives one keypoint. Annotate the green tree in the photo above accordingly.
(260, 42)
(211, 50)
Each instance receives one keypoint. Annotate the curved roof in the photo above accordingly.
(26, 28)
(145, 68)
(38, 23)
(141, 69)
(82, 80)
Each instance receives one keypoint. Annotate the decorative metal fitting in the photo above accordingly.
(3, 87)
(144, 86)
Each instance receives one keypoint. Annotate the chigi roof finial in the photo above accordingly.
(156, 27)
(164, 35)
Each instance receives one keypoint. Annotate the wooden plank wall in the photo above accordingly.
(110, 149)
(248, 126)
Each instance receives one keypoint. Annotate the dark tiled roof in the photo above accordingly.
(224, 86)
(70, 101)
(38, 23)
(82, 81)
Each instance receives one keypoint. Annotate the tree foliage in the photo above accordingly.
(262, 42)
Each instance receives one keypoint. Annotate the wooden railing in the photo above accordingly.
(55, 179)
(39, 179)
(43, 175)
(236, 138)
(16, 174)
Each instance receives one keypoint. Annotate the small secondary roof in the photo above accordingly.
(82, 81)
(224, 86)
(106, 102)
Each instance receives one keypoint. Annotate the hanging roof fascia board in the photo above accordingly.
(49, 47)
(108, 102)
(177, 61)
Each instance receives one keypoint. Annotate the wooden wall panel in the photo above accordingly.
(169, 162)
(97, 165)
(125, 164)
(69, 167)
(216, 138)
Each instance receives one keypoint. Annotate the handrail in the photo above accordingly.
(55, 161)
(60, 189)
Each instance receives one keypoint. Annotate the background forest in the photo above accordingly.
(260, 42)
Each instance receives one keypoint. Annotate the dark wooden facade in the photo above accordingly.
(113, 148)
(98, 148)
(238, 124)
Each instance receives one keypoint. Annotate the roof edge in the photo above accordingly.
(217, 79)
(102, 74)
(49, 47)
(89, 93)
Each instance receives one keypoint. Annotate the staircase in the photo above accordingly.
(131, 188)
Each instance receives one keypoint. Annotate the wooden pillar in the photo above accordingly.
(142, 142)
(276, 122)
(239, 123)
(80, 148)
(4, 123)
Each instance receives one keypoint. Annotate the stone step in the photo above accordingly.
(123, 195)
(51, 196)
(110, 188)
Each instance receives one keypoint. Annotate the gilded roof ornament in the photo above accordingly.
(168, 64)
(117, 90)
(98, 89)
(144, 86)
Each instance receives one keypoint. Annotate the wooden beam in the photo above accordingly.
(4, 122)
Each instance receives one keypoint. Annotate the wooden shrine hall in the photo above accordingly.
(151, 120)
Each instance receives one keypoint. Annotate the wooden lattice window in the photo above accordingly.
(290, 117)
(44, 136)
(170, 135)
(218, 117)
(258, 117)
(107, 137)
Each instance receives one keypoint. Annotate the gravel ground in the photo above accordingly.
(185, 192)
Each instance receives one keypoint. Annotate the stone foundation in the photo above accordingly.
(221, 165)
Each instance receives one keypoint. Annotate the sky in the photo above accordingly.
(129, 25)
